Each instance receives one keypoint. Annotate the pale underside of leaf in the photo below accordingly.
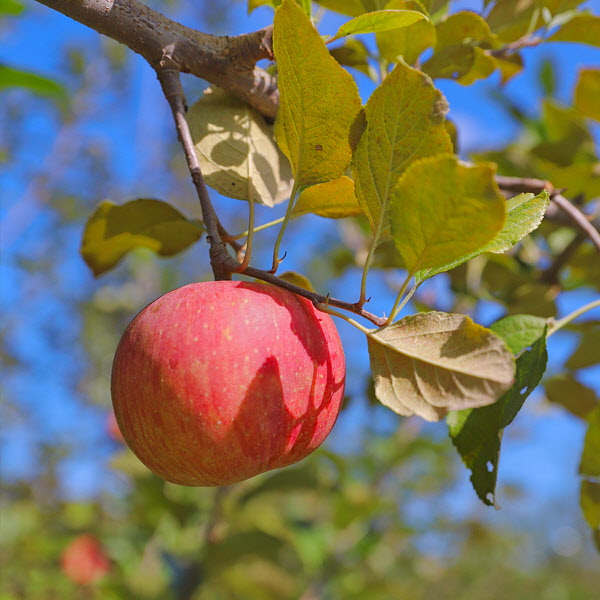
(237, 151)
(430, 363)
(405, 122)
(319, 101)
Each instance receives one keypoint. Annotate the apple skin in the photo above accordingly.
(216, 382)
(83, 560)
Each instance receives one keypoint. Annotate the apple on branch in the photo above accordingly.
(216, 382)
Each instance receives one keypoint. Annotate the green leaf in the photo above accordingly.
(590, 458)
(519, 331)
(42, 86)
(524, 214)
(335, 199)
(12, 8)
(353, 53)
(430, 363)
(381, 20)
(236, 150)
(253, 4)
(405, 122)
(590, 506)
(587, 353)
(457, 53)
(408, 42)
(512, 19)
(442, 210)
(587, 93)
(319, 101)
(113, 231)
(352, 8)
(571, 394)
(477, 433)
(297, 279)
(581, 29)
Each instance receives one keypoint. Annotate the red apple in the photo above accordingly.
(112, 428)
(84, 561)
(216, 382)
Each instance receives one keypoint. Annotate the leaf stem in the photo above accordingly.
(397, 306)
(286, 218)
(240, 236)
(554, 327)
(369, 260)
(248, 250)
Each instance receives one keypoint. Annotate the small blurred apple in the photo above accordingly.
(84, 561)
(216, 382)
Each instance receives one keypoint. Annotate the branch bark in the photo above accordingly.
(226, 61)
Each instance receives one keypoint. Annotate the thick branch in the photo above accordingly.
(226, 61)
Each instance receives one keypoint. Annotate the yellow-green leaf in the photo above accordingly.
(581, 29)
(443, 209)
(587, 93)
(408, 42)
(353, 53)
(319, 101)
(335, 199)
(352, 8)
(405, 122)
(380, 20)
(113, 231)
(571, 394)
(464, 27)
(430, 363)
(236, 150)
(524, 213)
(297, 279)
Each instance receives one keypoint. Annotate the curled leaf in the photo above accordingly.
(113, 231)
(431, 363)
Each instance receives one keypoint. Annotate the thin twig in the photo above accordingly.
(578, 218)
(535, 186)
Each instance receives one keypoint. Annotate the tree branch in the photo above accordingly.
(226, 61)
(518, 185)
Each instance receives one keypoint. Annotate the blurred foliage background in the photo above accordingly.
(384, 510)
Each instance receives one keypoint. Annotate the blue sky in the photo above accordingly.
(542, 447)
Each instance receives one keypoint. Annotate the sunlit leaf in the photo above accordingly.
(512, 19)
(405, 121)
(462, 27)
(352, 8)
(431, 363)
(524, 213)
(442, 210)
(519, 331)
(581, 29)
(381, 20)
(113, 231)
(335, 199)
(319, 101)
(297, 279)
(408, 42)
(236, 150)
(587, 93)
(37, 84)
(253, 4)
(477, 433)
(571, 394)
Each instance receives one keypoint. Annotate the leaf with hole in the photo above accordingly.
(236, 150)
(431, 363)
(477, 433)
(113, 231)
(443, 210)
(319, 102)
(405, 121)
